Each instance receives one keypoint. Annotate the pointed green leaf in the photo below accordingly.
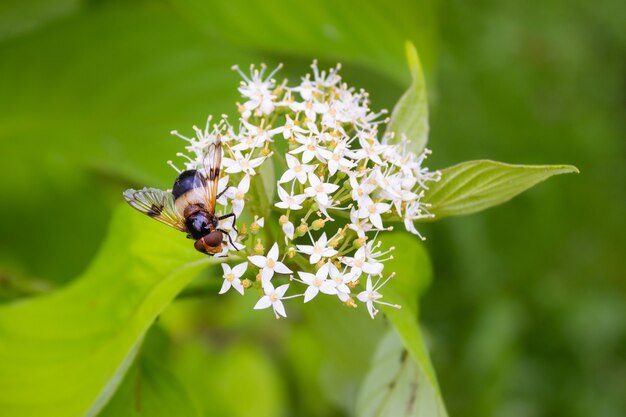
(65, 353)
(413, 273)
(410, 115)
(394, 386)
(150, 390)
(477, 185)
(368, 33)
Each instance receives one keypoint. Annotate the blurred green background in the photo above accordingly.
(526, 314)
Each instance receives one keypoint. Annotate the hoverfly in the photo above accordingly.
(190, 205)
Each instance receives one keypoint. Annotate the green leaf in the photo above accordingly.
(18, 17)
(413, 272)
(393, 386)
(410, 115)
(91, 99)
(65, 353)
(477, 185)
(150, 390)
(369, 33)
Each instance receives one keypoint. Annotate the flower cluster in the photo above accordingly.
(341, 182)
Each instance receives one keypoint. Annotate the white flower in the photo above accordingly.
(288, 229)
(371, 296)
(273, 298)
(296, 170)
(232, 277)
(362, 190)
(319, 189)
(368, 208)
(288, 201)
(360, 226)
(317, 283)
(336, 159)
(289, 128)
(270, 264)
(361, 262)
(310, 148)
(258, 91)
(341, 280)
(241, 163)
(237, 195)
(318, 250)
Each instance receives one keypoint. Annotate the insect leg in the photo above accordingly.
(222, 193)
(226, 216)
(229, 239)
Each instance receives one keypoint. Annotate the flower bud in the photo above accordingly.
(358, 242)
(243, 230)
(318, 224)
(302, 229)
(350, 302)
(319, 264)
(246, 283)
(265, 151)
(258, 248)
(254, 228)
(353, 284)
(291, 252)
(283, 220)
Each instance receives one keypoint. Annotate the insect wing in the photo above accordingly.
(157, 204)
(210, 174)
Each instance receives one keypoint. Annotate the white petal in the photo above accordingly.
(264, 302)
(363, 296)
(236, 284)
(306, 249)
(288, 230)
(376, 220)
(238, 270)
(280, 291)
(328, 287)
(306, 277)
(273, 253)
(310, 293)
(279, 308)
(267, 274)
(244, 185)
(281, 268)
(371, 309)
(225, 286)
(258, 260)
(287, 175)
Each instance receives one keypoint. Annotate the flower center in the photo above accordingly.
(311, 147)
(317, 282)
(372, 209)
(244, 163)
(319, 188)
(229, 277)
(336, 157)
(297, 168)
(239, 195)
(274, 297)
(358, 263)
(270, 263)
(318, 249)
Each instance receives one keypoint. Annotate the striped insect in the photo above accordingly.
(190, 205)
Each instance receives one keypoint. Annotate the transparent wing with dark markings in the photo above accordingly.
(210, 174)
(157, 204)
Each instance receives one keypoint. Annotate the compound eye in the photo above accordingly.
(214, 238)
